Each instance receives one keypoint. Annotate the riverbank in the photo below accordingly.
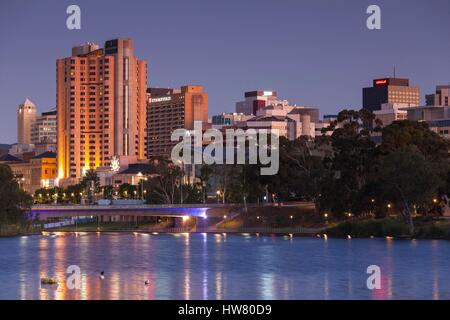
(17, 230)
(425, 228)
(296, 220)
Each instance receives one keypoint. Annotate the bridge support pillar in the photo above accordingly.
(178, 222)
(201, 223)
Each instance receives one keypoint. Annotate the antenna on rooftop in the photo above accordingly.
(394, 70)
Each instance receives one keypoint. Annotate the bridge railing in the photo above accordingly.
(145, 206)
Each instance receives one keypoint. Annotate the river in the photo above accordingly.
(217, 266)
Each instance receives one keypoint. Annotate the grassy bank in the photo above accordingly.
(425, 228)
(16, 230)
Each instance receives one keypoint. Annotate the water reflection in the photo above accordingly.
(216, 266)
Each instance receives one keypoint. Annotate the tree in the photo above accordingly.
(127, 191)
(348, 168)
(74, 192)
(205, 177)
(162, 185)
(301, 168)
(108, 192)
(14, 202)
(410, 179)
(91, 183)
(403, 133)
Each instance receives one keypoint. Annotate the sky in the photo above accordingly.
(312, 52)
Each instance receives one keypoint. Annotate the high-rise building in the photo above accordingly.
(101, 107)
(440, 98)
(170, 109)
(44, 128)
(26, 116)
(391, 91)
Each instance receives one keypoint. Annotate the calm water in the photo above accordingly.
(200, 266)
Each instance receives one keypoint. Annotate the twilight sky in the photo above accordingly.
(313, 52)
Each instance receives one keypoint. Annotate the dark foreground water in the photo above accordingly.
(200, 266)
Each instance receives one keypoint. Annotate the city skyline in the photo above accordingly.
(272, 54)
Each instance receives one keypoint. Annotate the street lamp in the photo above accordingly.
(218, 196)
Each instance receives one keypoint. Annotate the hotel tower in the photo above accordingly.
(101, 104)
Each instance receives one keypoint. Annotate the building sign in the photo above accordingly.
(161, 99)
(381, 82)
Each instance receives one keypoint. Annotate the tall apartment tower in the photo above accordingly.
(170, 109)
(26, 117)
(391, 91)
(101, 107)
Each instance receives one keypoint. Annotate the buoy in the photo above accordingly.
(146, 282)
(102, 275)
(50, 281)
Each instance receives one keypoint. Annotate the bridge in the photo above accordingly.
(43, 212)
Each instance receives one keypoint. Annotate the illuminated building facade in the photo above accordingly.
(38, 172)
(390, 91)
(101, 107)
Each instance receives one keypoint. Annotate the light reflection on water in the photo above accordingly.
(217, 266)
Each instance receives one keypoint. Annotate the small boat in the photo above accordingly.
(49, 281)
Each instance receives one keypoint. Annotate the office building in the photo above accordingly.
(391, 91)
(256, 100)
(228, 119)
(391, 112)
(440, 98)
(437, 118)
(26, 116)
(101, 107)
(44, 128)
(170, 109)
